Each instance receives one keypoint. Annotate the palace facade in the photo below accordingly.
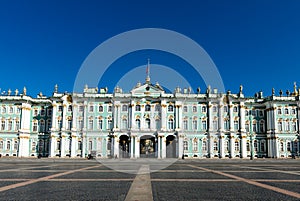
(149, 122)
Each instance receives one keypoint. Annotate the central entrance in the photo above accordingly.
(147, 146)
(124, 146)
(171, 147)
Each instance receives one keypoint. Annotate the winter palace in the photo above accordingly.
(150, 122)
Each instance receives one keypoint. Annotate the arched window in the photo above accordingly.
(9, 126)
(157, 108)
(171, 124)
(15, 145)
(124, 123)
(70, 108)
(170, 108)
(288, 146)
(8, 145)
(185, 124)
(194, 108)
(3, 125)
(279, 111)
(11, 110)
(214, 109)
(286, 111)
(157, 124)
(247, 127)
(185, 109)
(109, 124)
(124, 108)
(185, 145)
(147, 108)
(100, 124)
(281, 146)
(138, 123)
(263, 146)
(35, 126)
(237, 146)
(215, 145)
(91, 124)
(255, 145)
(236, 125)
(100, 109)
(195, 144)
(91, 108)
(280, 126)
(215, 125)
(227, 145)
(235, 109)
(3, 109)
(137, 108)
(204, 126)
(195, 124)
(262, 126)
(204, 145)
(1, 145)
(148, 122)
(69, 126)
(42, 125)
(203, 109)
(33, 146)
(225, 109)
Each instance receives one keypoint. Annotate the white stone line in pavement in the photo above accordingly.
(252, 182)
(31, 181)
(141, 188)
(25, 168)
(99, 179)
(271, 170)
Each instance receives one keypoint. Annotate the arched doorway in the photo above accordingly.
(124, 146)
(147, 146)
(171, 144)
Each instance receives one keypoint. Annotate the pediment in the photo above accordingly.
(147, 89)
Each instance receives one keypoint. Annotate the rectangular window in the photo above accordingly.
(91, 108)
(185, 146)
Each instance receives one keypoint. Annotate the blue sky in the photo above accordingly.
(254, 43)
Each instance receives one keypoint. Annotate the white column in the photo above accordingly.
(152, 118)
(159, 140)
(73, 146)
(276, 147)
(54, 111)
(210, 117)
(132, 144)
(133, 126)
(180, 117)
(163, 115)
(64, 118)
(116, 146)
(231, 121)
(210, 151)
(232, 146)
(52, 146)
(24, 145)
(221, 118)
(62, 145)
(84, 142)
(244, 146)
(180, 145)
(164, 147)
(275, 118)
(222, 150)
(137, 147)
(242, 117)
(269, 144)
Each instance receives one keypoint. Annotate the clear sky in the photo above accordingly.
(254, 43)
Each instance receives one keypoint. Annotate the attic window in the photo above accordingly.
(147, 88)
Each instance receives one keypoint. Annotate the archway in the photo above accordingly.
(147, 146)
(171, 145)
(124, 146)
